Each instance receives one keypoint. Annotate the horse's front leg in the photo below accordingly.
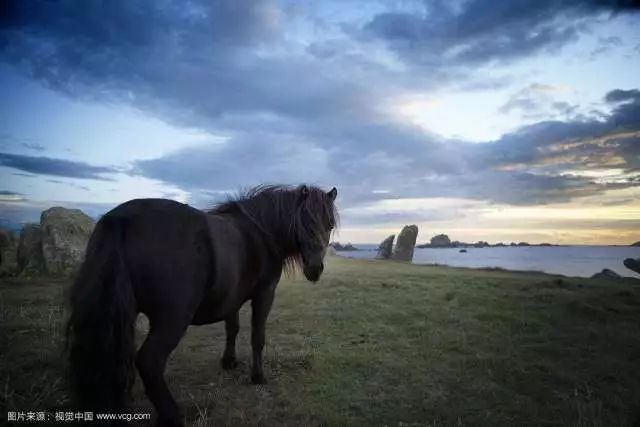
(232, 326)
(260, 307)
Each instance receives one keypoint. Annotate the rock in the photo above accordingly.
(606, 274)
(29, 254)
(635, 244)
(8, 252)
(386, 248)
(65, 233)
(441, 240)
(340, 247)
(406, 243)
(632, 264)
(463, 251)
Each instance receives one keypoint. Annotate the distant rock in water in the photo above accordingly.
(441, 240)
(386, 248)
(406, 243)
(463, 251)
(65, 233)
(635, 244)
(606, 274)
(339, 247)
(29, 256)
(632, 264)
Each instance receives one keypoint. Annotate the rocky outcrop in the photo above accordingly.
(441, 240)
(65, 233)
(340, 247)
(606, 274)
(29, 255)
(632, 264)
(386, 248)
(406, 243)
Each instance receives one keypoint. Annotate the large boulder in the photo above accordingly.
(65, 233)
(606, 274)
(29, 254)
(386, 248)
(8, 252)
(405, 243)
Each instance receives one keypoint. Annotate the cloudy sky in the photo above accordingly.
(498, 121)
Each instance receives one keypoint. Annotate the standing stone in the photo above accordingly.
(406, 243)
(29, 256)
(386, 247)
(65, 233)
(8, 252)
(632, 264)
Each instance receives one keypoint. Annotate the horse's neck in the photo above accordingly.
(275, 236)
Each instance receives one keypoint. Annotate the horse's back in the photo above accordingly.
(167, 251)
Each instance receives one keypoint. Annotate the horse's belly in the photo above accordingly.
(212, 309)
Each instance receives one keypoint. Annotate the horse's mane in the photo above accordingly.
(284, 216)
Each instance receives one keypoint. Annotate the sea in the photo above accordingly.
(581, 261)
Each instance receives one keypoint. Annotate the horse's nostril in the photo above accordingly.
(321, 267)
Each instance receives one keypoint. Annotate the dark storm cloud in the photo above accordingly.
(132, 52)
(311, 114)
(620, 95)
(56, 167)
(481, 31)
(8, 196)
(530, 166)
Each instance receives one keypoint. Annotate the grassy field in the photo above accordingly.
(379, 343)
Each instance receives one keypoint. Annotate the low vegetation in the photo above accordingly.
(378, 343)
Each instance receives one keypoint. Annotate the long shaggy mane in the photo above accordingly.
(284, 215)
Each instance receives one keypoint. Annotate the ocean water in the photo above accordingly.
(582, 261)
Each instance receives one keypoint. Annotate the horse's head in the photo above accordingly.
(317, 217)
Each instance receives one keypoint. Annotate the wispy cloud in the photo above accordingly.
(56, 167)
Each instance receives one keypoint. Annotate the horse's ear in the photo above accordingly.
(332, 194)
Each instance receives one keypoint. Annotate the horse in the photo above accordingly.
(182, 266)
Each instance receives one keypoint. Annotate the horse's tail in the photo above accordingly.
(101, 328)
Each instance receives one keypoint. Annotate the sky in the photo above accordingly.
(496, 121)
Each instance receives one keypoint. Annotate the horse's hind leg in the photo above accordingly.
(232, 326)
(151, 361)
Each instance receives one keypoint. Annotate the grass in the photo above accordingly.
(378, 343)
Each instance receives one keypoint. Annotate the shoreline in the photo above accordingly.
(486, 269)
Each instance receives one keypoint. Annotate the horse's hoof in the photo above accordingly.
(229, 363)
(258, 379)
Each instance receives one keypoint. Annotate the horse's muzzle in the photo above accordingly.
(313, 273)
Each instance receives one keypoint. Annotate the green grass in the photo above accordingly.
(379, 343)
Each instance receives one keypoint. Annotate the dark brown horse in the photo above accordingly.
(181, 266)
